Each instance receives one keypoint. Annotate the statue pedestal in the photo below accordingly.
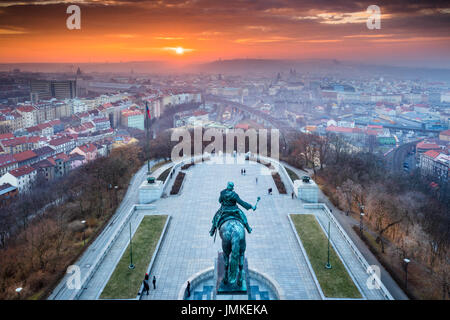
(226, 291)
(306, 191)
(149, 192)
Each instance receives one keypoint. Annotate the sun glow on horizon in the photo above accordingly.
(179, 50)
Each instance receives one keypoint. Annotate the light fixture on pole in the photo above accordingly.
(84, 231)
(328, 265)
(361, 227)
(131, 266)
(407, 261)
(18, 291)
(147, 136)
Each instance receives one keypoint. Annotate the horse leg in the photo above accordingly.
(226, 248)
(234, 258)
(226, 258)
(241, 270)
(241, 261)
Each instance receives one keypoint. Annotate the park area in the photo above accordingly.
(124, 282)
(335, 282)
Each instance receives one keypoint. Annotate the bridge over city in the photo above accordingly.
(400, 128)
(265, 119)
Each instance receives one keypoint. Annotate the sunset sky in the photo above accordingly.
(412, 32)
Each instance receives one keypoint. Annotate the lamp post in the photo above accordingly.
(328, 265)
(110, 187)
(131, 266)
(84, 232)
(361, 215)
(406, 272)
(147, 136)
(18, 291)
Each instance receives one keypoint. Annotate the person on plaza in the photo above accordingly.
(154, 282)
(292, 194)
(146, 286)
(188, 288)
(256, 179)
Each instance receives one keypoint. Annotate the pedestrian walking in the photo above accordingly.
(154, 282)
(256, 179)
(188, 288)
(146, 286)
(270, 191)
(245, 172)
(292, 194)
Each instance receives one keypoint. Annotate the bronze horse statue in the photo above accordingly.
(231, 221)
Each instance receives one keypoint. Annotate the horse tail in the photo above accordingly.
(234, 259)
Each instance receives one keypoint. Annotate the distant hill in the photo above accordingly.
(119, 67)
(319, 66)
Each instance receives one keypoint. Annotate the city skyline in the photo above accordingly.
(184, 32)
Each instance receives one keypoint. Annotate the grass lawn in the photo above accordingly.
(335, 282)
(163, 176)
(292, 174)
(125, 283)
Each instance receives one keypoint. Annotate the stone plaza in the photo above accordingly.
(276, 258)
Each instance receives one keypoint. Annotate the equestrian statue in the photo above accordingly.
(230, 221)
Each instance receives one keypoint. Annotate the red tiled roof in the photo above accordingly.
(88, 125)
(11, 136)
(98, 120)
(14, 142)
(432, 154)
(200, 113)
(88, 148)
(25, 155)
(60, 141)
(339, 129)
(128, 113)
(427, 145)
(6, 159)
(242, 126)
(83, 115)
(55, 122)
(33, 129)
(33, 139)
(62, 156)
(372, 132)
(43, 126)
(26, 108)
(21, 171)
(445, 133)
(43, 164)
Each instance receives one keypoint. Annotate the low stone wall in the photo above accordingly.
(208, 273)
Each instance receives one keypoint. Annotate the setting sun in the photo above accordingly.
(179, 50)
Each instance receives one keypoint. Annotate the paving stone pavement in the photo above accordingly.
(188, 248)
(272, 247)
